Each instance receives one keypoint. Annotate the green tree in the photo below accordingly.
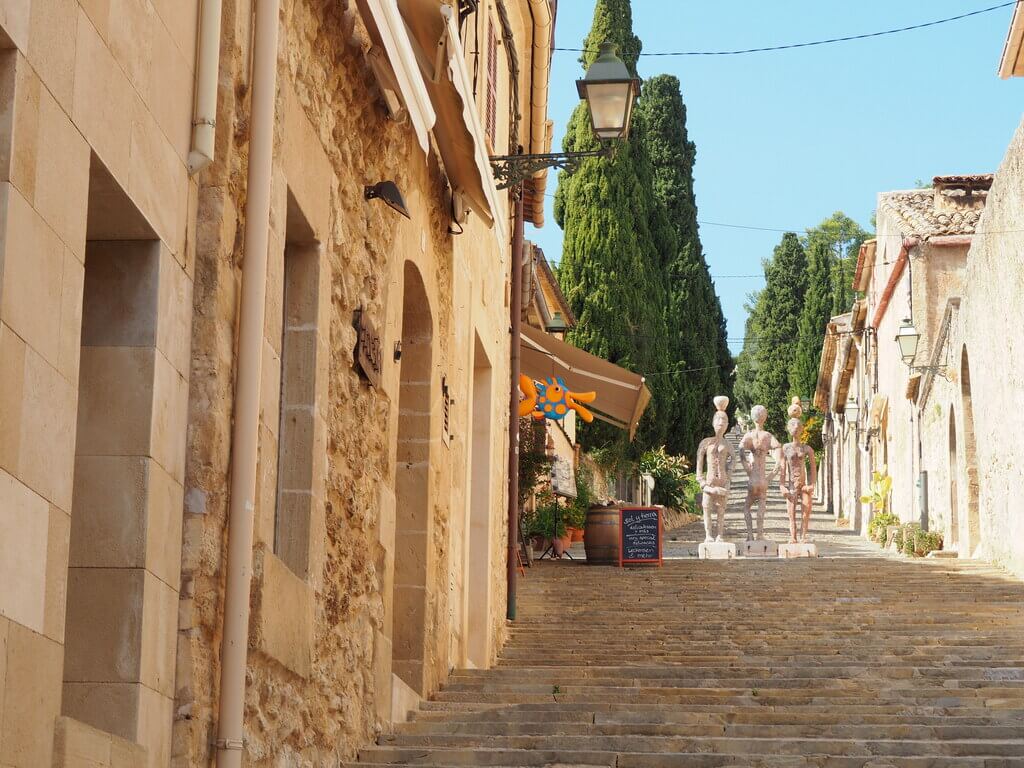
(617, 240)
(694, 314)
(814, 316)
(778, 314)
(746, 361)
(843, 237)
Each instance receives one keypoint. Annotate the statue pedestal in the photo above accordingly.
(716, 550)
(798, 550)
(760, 548)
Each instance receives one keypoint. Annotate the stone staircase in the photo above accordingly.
(865, 662)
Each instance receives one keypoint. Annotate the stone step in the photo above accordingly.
(705, 728)
(836, 663)
(649, 715)
(733, 745)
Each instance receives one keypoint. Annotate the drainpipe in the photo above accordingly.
(516, 318)
(204, 115)
(234, 646)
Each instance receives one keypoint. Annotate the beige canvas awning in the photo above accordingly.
(622, 395)
(459, 132)
(388, 32)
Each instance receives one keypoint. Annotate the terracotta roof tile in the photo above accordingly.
(915, 210)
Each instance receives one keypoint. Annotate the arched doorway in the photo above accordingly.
(973, 537)
(412, 483)
(954, 490)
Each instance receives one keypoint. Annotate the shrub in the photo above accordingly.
(575, 512)
(927, 541)
(878, 524)
(670, 476)
(549, 512)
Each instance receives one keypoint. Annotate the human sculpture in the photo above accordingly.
(715, 454)
(754, 449)
(796, 484)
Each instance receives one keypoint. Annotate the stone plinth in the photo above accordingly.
(760, 548)
(787, 551)
(716, 550)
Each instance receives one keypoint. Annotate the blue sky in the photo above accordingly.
(786, 138)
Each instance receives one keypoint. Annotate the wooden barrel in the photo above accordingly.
(601, 536)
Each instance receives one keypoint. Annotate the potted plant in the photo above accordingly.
(547, 522)
(878, 498)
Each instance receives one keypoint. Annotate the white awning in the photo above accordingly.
(622, 395)
(459, 131)
(388, 31)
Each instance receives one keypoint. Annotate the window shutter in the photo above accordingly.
(491, 116)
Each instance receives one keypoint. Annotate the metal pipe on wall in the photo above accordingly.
(516, 319)
(204, 115)
(244, 441)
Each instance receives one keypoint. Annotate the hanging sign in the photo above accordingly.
(640, 535)
(369, 357)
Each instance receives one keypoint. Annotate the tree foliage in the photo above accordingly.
(696, 325)
(613, 257)
(814, 316)
(778, 313)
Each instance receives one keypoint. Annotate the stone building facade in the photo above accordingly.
(378, 509)
(944, 424)
(972, 421)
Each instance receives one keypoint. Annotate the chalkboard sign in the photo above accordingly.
(640, 535)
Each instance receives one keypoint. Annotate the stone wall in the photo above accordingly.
(992, 300)
(321, 678)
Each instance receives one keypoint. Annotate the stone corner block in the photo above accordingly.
(284, 617)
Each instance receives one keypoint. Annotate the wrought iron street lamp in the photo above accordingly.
(852, 411)
(556, 324)
(610, 92)
(907, 338)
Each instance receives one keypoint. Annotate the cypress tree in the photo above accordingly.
(778, 314)
(694, 314)
(612, 270)
(814, 316)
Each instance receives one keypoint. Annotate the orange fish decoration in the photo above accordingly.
(549, 399)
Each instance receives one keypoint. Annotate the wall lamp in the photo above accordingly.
(388, 192)
(610, 92)
(908, 338)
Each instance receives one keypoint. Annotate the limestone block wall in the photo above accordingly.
(95, 120)
(992, 297)
(361, 607)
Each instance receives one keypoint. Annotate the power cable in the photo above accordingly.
(812, 43)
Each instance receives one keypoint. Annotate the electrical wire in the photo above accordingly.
(812, 43)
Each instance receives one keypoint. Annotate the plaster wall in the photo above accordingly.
(95, 121)
(992, 297)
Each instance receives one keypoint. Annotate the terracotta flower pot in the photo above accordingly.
(577, 535)
(559, 545)
(540, 543)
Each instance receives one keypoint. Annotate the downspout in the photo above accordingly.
(204, 114)
(516, 318)
(244, 439)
